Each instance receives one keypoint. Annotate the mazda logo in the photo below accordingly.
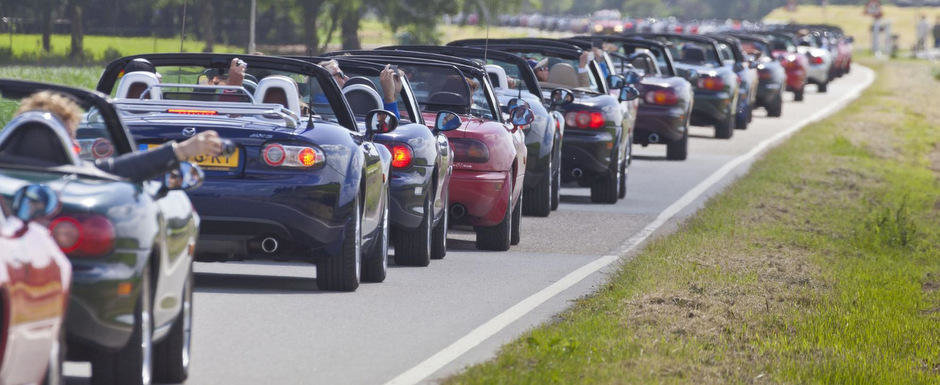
(189, 131)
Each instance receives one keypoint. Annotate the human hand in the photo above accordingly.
(391, 83)
(204, 143)
(236, 73)
(583, 60)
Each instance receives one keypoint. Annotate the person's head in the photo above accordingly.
(57, 104)
(333, 67)
(541, 69)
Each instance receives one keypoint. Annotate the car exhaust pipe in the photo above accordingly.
(269, 245)
(457, 211)
(654, 138)
(577, 173)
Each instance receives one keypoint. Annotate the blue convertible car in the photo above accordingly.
(305, 182)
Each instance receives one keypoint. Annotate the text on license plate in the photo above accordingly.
(221, 161)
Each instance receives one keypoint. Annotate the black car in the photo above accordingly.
(596, 148)
(715, 84)
(772, 77)
(542, 137)
(308, 182)
(421, 165)
(732, 54)
(130, 243)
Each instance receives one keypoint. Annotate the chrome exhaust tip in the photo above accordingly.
(457, 211)
(654, 138)
(577, 173)
(269, 245)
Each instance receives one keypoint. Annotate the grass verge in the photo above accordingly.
(820, 266)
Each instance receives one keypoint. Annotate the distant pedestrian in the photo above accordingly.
(936, 32)
(922, 28)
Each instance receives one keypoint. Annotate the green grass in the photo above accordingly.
(28, 47)
(828, 274)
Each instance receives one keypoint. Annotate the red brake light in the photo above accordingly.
(817, 60)
(661, 97)
(191, 112)
(584, 119)
(84, 236)
(279, 155)
(764, 74)
(401, 155)
(469, 150)
(711, 83)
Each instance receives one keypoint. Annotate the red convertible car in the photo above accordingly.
(795, 63)
(34, 286)
(485, 190)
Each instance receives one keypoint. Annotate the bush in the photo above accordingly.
(111, 54)
(6, 54)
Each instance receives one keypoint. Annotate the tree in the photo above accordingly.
(76, 29)
(349, 27)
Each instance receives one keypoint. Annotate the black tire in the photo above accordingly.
(622, 190)
(606, 188)
(171, 356)
(823, 87)
(775, 107)
(439, 241)
(678, 150)
(132, 364)
(56, 358)
(342, 273)
(497, 238)
(413, 247)
(375, 262)
(556, 183)
(539, 199)
(798, 94)
(724, 130)
(516, 232)
(740, 118)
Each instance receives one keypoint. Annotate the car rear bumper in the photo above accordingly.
(482, 194)
(407, 191)
(711, 108)
(796, 79)
(589, 152)
(767, 91)
(666, 122)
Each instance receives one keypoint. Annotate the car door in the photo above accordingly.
(177, 241)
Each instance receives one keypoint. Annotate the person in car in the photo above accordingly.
(541, 69)
(389, 79)
(136, 166)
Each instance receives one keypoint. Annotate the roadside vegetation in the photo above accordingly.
(855, 23)
(821, 266)
(27, 48)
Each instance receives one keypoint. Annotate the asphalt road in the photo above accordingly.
(267, 323)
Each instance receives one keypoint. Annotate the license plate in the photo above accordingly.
(212, 162)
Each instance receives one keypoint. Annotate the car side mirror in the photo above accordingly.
(632, 77)
(380, 122)
(693, 76)
(629, 93)
(447, 121)
(516, 102)
(561, 97)
(615, 82)
(187, 177)
(521, 116)
(34, 202)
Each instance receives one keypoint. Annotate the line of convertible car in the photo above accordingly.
(324, 174)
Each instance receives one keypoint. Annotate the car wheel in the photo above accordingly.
(171, 356)
(56, 357)
(439, 243)
(375, 263)
(516, 233)
(775, 108)
(606, 189)
(539, 199)
(678, 150)
(132, 364)
(342, 273)
(497, 238)
(798, 94)
(725, 129)
(413, 247)
(823, 87)
(622, 190)
(740, 118)
(556, 182)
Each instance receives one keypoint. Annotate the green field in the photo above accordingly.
(854, 23)
(827, 274)
(28, 47)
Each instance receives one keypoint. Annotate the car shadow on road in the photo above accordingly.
(649, 157)
(702, 136)
(576, 199)
(254, 284)
(461, 245)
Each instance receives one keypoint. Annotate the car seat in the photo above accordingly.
(133, 85)
(497, 76)
(362, 98)
(693, 55)
(37, 138)
(563, 74)
(279, 89)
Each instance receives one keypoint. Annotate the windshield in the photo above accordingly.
(561, 73)
(376, 84)
(659, 54)
(446, 88)
(691, 52)
(756, 48)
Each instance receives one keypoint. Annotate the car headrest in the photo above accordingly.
(362, 98)
(693, 55)
(37, 137)
(133, 84)
(497, 76)
(360, 80)
(564, 74)
(279, 89)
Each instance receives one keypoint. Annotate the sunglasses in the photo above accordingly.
(542, 69)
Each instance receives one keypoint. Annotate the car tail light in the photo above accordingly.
(83, 236)
(678, 29)
(711, 83)
(585, 119)
(764, 74)
(401, 154)
(469, 150)
(191, 112)
(279, 155)
(816, 59)
(661, 97)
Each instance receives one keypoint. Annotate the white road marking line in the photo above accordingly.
(494, 325)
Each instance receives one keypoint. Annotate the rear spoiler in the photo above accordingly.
(208, 108)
